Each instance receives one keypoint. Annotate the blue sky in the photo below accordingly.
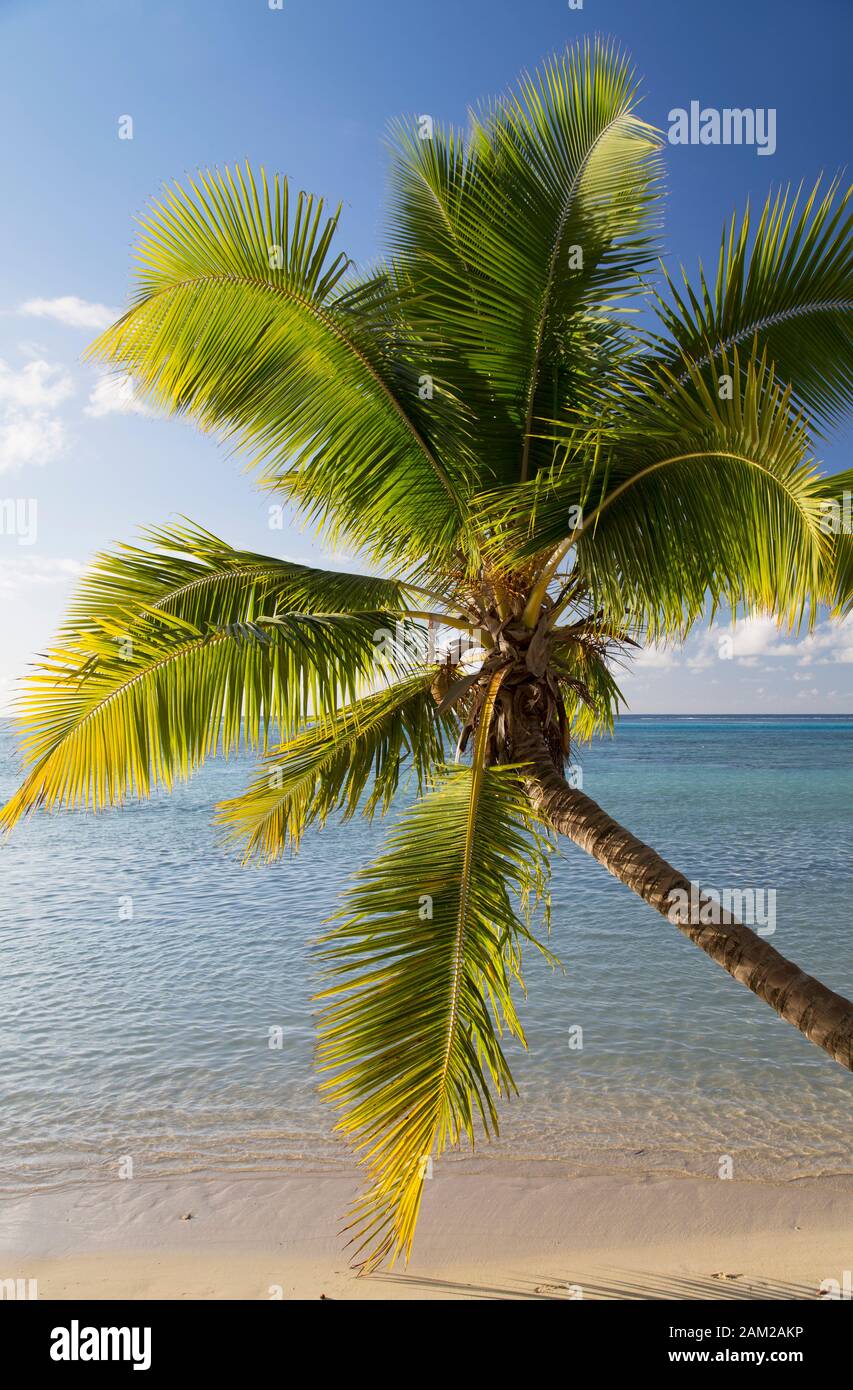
(309, 90)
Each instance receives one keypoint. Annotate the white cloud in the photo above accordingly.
(705, 653)
(26, 571)
(757, 635)
(753, 642)
(30, 433)
(655, 656)
(31, 349)
(68, 309)
(36, 438)
(752, 637)
(114, 395)
(39, 385)
(831, 641)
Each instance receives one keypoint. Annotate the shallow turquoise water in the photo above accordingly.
(150, 1037)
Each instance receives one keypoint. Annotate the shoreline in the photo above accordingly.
(327, 1157)
(531, 1233)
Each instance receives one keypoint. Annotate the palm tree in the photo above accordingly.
(481, 417)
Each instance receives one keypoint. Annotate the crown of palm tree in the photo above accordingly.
(481, 417)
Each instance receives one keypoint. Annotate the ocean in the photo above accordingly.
(143, 970)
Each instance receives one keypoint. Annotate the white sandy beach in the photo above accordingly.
(526, 1231)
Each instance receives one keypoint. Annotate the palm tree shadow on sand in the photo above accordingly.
(630, 1285)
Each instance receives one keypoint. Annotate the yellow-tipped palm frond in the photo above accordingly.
(679, 495)
(173, 653)
(327, 768)
(192, 574)
(242, 320)
(114, 716)
(419, 974)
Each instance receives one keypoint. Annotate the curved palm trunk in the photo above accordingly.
(824, 1017)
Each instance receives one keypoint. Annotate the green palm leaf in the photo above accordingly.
(514, 317)
(191, 574)
(835, 496)
(440, 241)
(420, 971)
(691, 496)
(572, 146)
(116, 711)
(791, 293)
(243, 321)
(584, 653)
(326, 768)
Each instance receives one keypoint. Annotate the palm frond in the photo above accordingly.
(328, 767)
(419, 974)
(789, 293)
(584, 654)
(692, 495)
(243, 320)
(501, 289)
(115, 712)
(572, 147)
(439, 233)
(188, 572)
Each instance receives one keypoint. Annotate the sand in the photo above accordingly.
(517, 1231)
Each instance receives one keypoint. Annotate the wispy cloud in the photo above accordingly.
(25, 571)
(113, 395)
(70, 310)
(39, 385)
(755, 641)
(29, 439)
(655, 656)
(831, 642)
(30, 432)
